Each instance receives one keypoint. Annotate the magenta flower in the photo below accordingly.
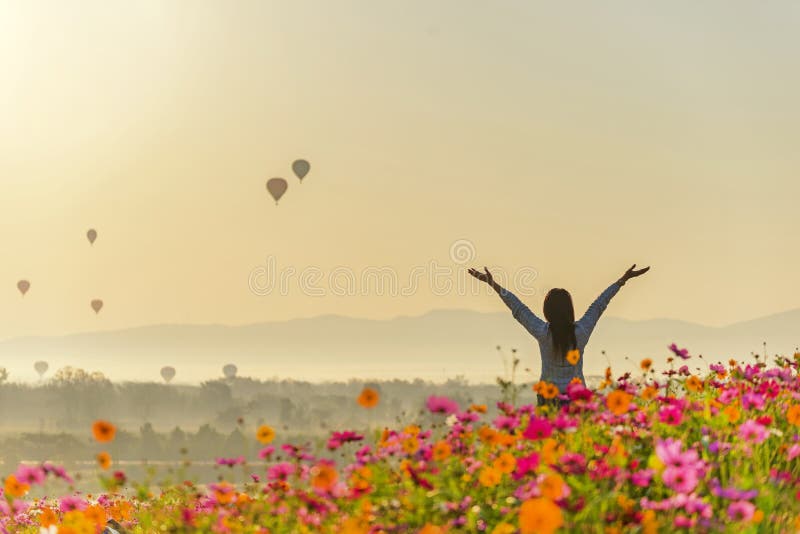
(642, 478)
(441, 405)
(538, 428)
(670, 415)
(340, 438)
(525, 465)
(680, 353)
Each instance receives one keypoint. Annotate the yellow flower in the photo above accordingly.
(539, 516)
(503, 528)
(573, 356)
(265, 434)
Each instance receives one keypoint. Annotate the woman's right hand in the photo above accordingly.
(483, 277)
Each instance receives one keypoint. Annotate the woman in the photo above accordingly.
(561, 333)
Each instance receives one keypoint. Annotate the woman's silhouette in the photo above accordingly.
(561, 333)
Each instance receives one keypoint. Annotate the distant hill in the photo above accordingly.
(438, 345)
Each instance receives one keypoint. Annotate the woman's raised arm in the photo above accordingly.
(520, 311)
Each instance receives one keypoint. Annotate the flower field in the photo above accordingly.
(656, 451)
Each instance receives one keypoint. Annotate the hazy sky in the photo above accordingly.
(573, 138)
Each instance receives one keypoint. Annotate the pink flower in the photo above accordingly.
(31, 475)
(793, 452)
(441, 405)
(753, 431)
(266, 452)
(68, 504)
(681, 480)
(280, 471)
(741, 510)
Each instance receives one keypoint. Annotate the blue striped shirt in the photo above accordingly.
(555, 368)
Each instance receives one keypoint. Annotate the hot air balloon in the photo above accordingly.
(41, 368)
(23, 286)
(301, 168)
(91, 235)
(230, 371)
(97, 305)
(167, 373)
(277, 187)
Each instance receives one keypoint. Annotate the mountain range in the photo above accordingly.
(435, 346)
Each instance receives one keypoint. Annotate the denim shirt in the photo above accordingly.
(555, 368)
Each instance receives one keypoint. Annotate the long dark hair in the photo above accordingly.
(560, 314)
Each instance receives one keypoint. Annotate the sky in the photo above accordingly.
(558, 143)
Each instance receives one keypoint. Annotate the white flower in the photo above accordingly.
(451, 420)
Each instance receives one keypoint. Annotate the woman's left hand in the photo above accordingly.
(632, 273)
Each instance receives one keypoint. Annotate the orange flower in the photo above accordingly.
(96, 515)
(505, 463)
(693, 384)
(793, 415)
(103, 431)
(732, 413)
(412, 430)
(410, 445)
(552, 487)
(480, 408)
(15, 488)
(490, 477)
(573, 356)
(486, 434)
(368, 398)
(104, 460)
(618, 401)
(646, 364)
(47, 518)
(442, 451)
(539, 516)
(224, 493)
(546, 389)
(608, 374)
(323, 476)
(265, 434)
(649, 393)
(432, 529)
